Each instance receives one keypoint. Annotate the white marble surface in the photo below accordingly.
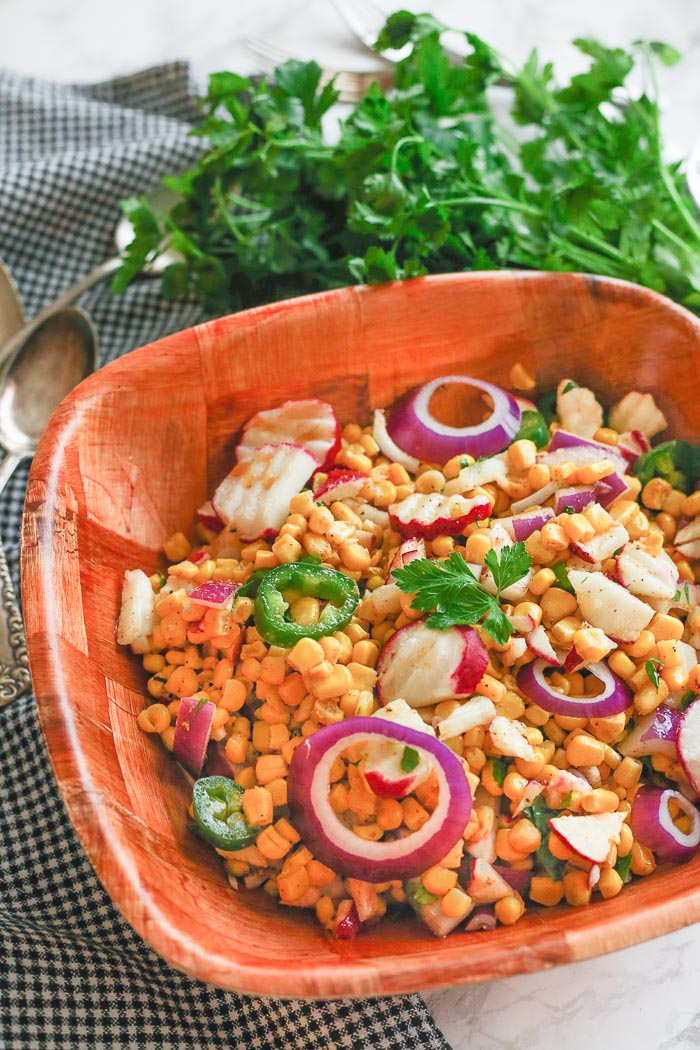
(646, 997)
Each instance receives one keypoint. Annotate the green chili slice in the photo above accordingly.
(533, 427)
(316, 581)
(217, 804)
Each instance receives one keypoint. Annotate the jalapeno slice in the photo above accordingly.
(317, 581)
(217, 810)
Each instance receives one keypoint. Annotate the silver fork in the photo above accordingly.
(366, 18)
(352, 86)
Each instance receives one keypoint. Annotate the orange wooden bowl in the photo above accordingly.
(124, 463)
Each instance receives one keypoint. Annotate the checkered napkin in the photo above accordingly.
(72, 972)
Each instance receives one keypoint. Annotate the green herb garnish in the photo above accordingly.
(450, 589)
(500, 769)
(540, 813)
(623, 865)
(570, 386)
(687, 699)
(562, 576)
(567, 800)
(409, 759)
(652, 669)
(418, 894)
(427, 178)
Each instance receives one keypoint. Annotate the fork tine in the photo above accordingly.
(265, 50)
(363, 17)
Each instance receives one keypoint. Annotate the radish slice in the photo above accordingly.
(539, 642)
(510, 738)
(651, 577)
(562, 784)
(340, 484)
(137, 609)
(386, 599)
(486, 885)
(484, 472)
(432, 514)
(591, 836)
(347, 923)
(485, 848)
(192, 732)
(616, 695)
(603, 545)
(633, 444)
(607, 605)
(407, 552)
(653, 826)
(384, 757)
(209, 518)
(310, 423)
(411, 426)
(424, 666)
(334, 844)
(254, 497)
(653, 734)
(214, 594)
(533, 790)
(434, 917)
(688, 743)
(389, 448)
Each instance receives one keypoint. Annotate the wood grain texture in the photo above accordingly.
(127, 459)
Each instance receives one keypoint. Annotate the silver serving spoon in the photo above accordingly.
(45, 361)
(11, 312)
(161, 201)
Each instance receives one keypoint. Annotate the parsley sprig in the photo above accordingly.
(451, 593)
(427, 178)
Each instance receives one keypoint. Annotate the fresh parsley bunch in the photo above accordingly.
(450, 591)
(426, 179)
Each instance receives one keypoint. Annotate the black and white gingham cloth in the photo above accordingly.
(72, 972)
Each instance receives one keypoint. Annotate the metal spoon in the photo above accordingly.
(41, 369)
(161, 201)
(11, 312)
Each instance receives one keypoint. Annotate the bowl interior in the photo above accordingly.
(125, 462)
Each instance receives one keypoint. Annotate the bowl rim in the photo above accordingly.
(94, 826)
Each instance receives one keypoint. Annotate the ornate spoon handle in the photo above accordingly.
(14, 664)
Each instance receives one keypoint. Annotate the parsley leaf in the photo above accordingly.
(409, 759)
(539, 813)
(452, 590)
(652, 669)
(687, 699)
(623, 865)
(500, 769)
(562, 576)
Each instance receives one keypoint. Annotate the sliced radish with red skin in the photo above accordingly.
(386, 599)
(645, 575)
(214, 594)
(533, 790)
(336, 845)
(485, 472)
(603, 545)
(486, 886)
(581, 451)
(591, 836)
(653, 734)
(340, 484)
(653, 825)
(538, 641)
(594, 876)
(384, 757)
(254, 497)
(435, 919)
(310, 423)
(414, 429)
(605, 604)
(407, 552)
(428, 515)
(562, 784)
(209, 518)
(514, 650)
(479, 711)
(632, 444)
(424, 666)
(485, 848)
(614, 699)
(347, 923)
(192, 732)
(389, 448)
(688, 743)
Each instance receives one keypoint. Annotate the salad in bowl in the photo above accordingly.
(444, 660)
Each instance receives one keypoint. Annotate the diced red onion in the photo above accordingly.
(482, 918)
(517, 878)
(688, 743)
(348, 924)
(209, 518)
(653, 734)
(563, 439)
(334, 844)
(217, 763)
(616, 695)
(652, 824)
(577, 497)
(609, 488)
(192, 732)
(411, 426)
(214, 594)
(526, 525)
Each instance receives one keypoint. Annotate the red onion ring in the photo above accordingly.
(335, 844)
(564, 439)
(411, 426)
(654, 734)
(615, 697)
(652, 825)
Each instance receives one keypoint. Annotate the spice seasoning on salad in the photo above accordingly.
(467, 687)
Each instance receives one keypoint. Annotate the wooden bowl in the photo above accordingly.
(124, 463)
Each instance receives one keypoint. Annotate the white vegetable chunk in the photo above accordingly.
(138, 607)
